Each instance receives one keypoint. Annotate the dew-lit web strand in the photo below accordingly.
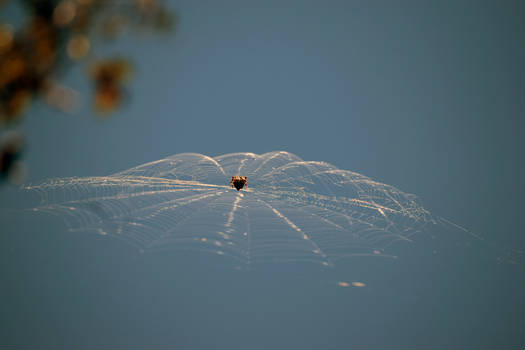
(191, 240)
(243, 161)
(374, 185)
(370, 244)
(93, 224)
(378, 227)
(231, 215)
(127, 210)
(248, 234)
(372, 204)
(363, 244)
(272, 246)
(358, 203)
(197, 243)
(136, 195)
(193, 214)
(329, 222)
(180, 202)
(151, 238)
(321, 179)
(84, 185)
(370, 183)
(225, 161)
(189, 201)
(293, 226)
(378, 207)
(231, 218)
(90, 226)
(214, 162)
(172, 189)
(352, 201)
(377, 241)
(511, 255)
(109, 207)
(264, 162)
(172, 204)
(131, 211)
(170, 159)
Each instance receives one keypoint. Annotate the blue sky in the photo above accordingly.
(425, 97)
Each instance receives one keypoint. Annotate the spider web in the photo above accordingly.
(293, 210)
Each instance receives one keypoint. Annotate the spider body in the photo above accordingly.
(239, 182)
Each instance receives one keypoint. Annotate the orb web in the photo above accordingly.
(292, 210)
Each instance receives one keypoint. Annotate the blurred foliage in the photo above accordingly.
(56, 35)
(10, 166)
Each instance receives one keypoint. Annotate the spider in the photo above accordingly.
(239, 182)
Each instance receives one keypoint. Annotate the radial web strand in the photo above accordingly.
(293, 210)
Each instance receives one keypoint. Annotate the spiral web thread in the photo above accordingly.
(293, 210)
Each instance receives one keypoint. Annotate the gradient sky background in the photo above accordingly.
(424, 96)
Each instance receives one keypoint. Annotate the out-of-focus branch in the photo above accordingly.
(56, 35)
